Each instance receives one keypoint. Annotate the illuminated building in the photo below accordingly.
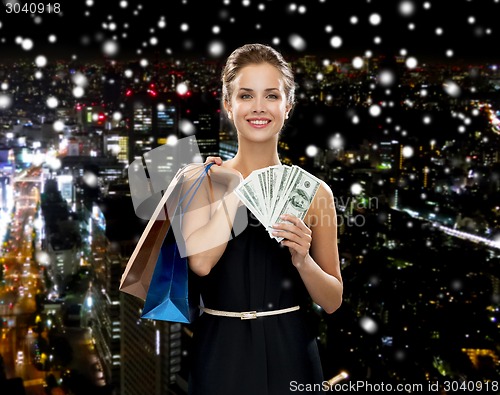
(151, 117)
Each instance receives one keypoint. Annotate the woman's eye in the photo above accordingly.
(246, 97)
(272, 97)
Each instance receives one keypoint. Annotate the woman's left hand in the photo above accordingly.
(296, 236)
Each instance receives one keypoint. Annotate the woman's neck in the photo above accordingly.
(252, 156)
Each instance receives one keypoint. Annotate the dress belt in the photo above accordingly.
(248, 315)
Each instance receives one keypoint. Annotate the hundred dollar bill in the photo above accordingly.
(275, 176)
(248, 196)
(263, 195)
(275, 190)
(279, 189)
(298, 197)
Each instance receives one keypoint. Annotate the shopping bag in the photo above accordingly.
(139, 270)
(168, 296)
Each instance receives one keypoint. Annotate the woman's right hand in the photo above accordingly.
(214, 159)
(226, 176)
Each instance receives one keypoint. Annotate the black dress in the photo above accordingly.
(265, 356)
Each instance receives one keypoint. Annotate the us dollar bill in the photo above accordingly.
(263, 195)
(299, 197)
(248, 196)
(283, 175)
(276, 190)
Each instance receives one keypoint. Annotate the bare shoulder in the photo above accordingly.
(324, 197)
(322, 207)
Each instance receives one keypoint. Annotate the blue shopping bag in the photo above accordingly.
(168, 297)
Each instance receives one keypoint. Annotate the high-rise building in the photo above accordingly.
(62, 239)
(151, 353)
(151, 117)
(200, 115)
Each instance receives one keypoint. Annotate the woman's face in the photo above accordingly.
(258, 104)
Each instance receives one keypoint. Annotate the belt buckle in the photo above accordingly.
(248, 315)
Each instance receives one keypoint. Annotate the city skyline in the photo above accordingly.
(413, 166)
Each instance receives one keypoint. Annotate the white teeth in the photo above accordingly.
(258, 122)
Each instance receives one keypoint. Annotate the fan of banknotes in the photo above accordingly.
(275, 190)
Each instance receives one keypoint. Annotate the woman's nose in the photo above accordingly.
(258, 106)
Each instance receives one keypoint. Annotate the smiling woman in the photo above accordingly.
(253, 336)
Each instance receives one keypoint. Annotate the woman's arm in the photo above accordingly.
(314, 250)
(207, 224)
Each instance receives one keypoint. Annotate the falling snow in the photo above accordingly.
(368, 324)
(361, 26)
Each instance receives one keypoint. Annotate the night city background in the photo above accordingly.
(398, 110)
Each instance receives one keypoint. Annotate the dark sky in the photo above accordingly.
(426, 30)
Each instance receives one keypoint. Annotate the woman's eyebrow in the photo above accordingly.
(265, 90)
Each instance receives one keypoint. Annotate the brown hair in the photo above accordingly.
(256, 54)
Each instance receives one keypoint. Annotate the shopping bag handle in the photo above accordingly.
(196, 185)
